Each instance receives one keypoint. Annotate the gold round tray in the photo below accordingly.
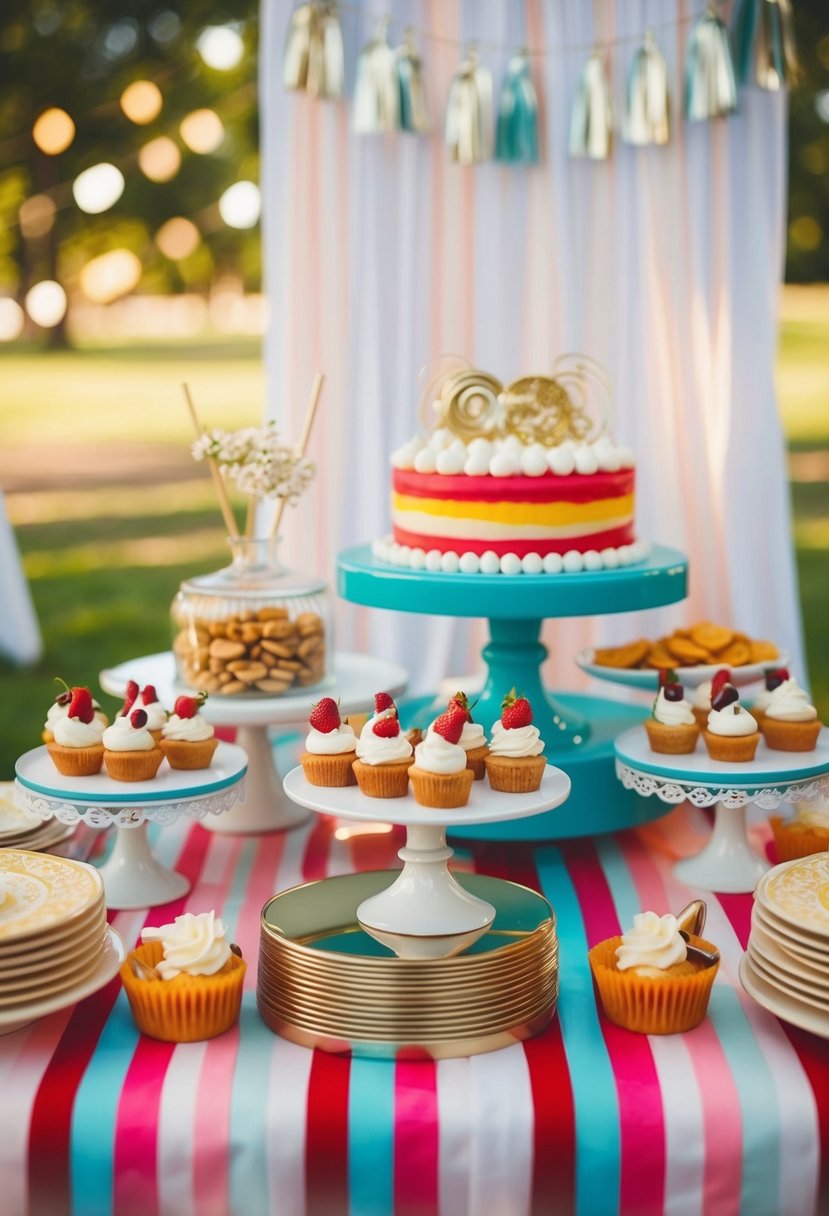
(323, 982)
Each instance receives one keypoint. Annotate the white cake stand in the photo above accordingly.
(773, 779)
(425, 913)
(133, 876)
(355, 680)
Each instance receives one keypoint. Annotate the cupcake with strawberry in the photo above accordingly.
(60, 709)
(384, 754)
(772, 679)
(76, 748)
(790, 723)
(188, 740)
(130, 751)
(155, 711)
(731, 733)
(516, 763)
(441, 776)
(330, 747)
(672, 728)
(473, 739)
(701, 697)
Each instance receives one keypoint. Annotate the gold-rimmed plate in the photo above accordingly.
(785, 960)
(41, 892)
(57, 981)
(50, 940)
(72, 949)
(785, 985)
(798, 893)
(800, 939)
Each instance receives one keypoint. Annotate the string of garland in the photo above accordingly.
(390, 93)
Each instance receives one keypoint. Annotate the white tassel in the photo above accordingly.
(377, 89)
(313, 62)
(591, 123)
(468, 132)
(648, 104)
(710, 88)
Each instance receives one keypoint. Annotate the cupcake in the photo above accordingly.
(731, 734)
(330, 747)
(184, 983)
(772, 679)
(188, 740)
(646, 980)
(701, 697)
(60, 708)
(130, 751)
(441, 776)
(155, 711)
(672, 728)
(790, 721)
(384, 755)
(515, 764)
(806, 833)
(473, 739)
(76, 748)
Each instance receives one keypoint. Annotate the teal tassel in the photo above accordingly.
(647, 116)
(516, 140)
(414, 115)
(591, 123)
(710, 88)
(313, 61)
(764, 44)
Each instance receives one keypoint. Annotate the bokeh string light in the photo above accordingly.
(46, 303)
(142, 101)
(53, 131)
(178, 238)
(98, 188)
(202, 131)
(160, 159)
(111, 275)
(240, 205)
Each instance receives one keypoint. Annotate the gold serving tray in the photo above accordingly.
(323, 982)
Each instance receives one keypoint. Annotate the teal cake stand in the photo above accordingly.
(579, 730)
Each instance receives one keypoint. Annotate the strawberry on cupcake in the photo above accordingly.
(187, 739)
(384, 754)
(441, 776)
(76, 748)
(731, 733)
(155, 711)
(672, 729)
(60, 708)
(701, 697)
(473, 739)
(772, 679)
(330, 747)
(130, 751)
(516, 763)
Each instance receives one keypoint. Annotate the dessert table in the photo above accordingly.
(585, 1118)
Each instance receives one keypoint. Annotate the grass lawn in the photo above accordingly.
(108, 530)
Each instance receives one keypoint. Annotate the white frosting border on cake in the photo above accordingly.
(386, 549)
(445, 453)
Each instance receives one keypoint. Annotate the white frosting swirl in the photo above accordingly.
(672, 713)
(516, 742)
(472, 736)
(733, 721)
(437, 755)
(190, 730)
(332, 742)
(192, 945)
(156, 715)
(789, 703)
(374, 749)
(813, 816)
(71, 732)
(701, 698)
(654, 941)
(122, 736)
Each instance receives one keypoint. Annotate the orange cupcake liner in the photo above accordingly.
(515, 774)
(133, 766)
(475, 758)
(671, 740)
(790, 736)
(189, 753)
(190, 1007)
(733, 749)
(76, 761)
(441, 790)
(795, 839)
(331, 771)
(651, 1006)
(383, 780)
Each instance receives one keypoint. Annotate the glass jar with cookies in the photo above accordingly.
(253, 628)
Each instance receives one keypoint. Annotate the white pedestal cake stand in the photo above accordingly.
(425, 913)
(133, 876)
(355, 680)
(773, 779)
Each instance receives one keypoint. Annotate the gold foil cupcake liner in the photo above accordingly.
(667, 1005)
(188, 1008)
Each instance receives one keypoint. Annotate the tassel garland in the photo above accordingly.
(313, 62)
(468, 131)
(591, 123)
(377, 89)
(710, 88)
(647, 115)
(516, 140)
(414, 115)
(764, 44)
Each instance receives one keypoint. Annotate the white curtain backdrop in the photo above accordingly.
(661, 263)
(20, 640)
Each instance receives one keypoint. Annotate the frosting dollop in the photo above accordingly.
(122, 736)
(374, 749)
(672, 713)
(472, 735)
(191, 730)
(437, 755)
(56, 713)
(192, 945)
(331, 743)
(701, 698)
(654, 941)
(156, 715)
(733, 720)
(71, 732)
(516, 742)
(505, 456)
(789, 703)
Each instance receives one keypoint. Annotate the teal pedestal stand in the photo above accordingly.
(578, 730)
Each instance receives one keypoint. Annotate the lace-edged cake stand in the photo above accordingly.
(426, 913)
(774, 779)
(133, 876)
(578, 730)
(355, 680)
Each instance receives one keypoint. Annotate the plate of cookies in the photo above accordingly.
(695, 653)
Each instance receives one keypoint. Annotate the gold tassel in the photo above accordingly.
(414, 115)
(710, 88)
(468, 131)
(647, 115)
(591, 123)
(377, 91)
(313, 62)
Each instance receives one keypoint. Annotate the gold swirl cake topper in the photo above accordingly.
(536, 409)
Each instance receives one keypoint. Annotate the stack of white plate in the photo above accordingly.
(20, 831)
(52, 927)
(786, 967)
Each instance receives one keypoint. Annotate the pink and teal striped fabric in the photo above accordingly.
(587, 1118)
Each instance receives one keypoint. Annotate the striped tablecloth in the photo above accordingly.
(587, 1118)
